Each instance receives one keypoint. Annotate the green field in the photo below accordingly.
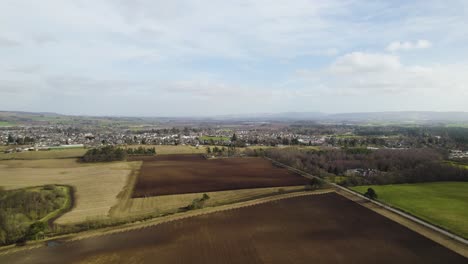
(214, 138)
(4, 123)
(335, 179)
(444, 204)
(46, 154)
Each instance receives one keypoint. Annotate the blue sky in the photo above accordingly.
(174, 58)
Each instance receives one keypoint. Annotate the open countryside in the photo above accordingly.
(273, 232)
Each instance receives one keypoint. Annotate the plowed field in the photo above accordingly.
(178, 174)
(325, 228)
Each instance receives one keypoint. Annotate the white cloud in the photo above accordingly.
(408, 45)
(360, 73)
(145, 50)
(5, 42)
(357, 62)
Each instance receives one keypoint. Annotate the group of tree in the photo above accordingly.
(388, 165)
(197, 203)
(21, 211)
(141, 151)
(20, 140)
(104, 154)
(223, 151)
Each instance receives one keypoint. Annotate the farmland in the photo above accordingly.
(173, 149)
(167, 204)
(274, 232)
(47, 154)
(214, 138)
(4, 123)
(443, 203)
(96, 186)
(178, 174)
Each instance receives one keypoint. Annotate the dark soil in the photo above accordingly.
(325, 228)
(178, 174)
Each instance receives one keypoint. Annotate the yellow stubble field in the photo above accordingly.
(97, 186)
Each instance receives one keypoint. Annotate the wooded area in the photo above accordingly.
(383, 166)
(22, 212)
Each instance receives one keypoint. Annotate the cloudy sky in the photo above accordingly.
(210, 57)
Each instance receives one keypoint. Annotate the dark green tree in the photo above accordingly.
(371, 194)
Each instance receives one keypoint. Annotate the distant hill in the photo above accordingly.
(419, 117)
(404, 116)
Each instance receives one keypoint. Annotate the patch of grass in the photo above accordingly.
(172, 149)
(465, 125)
(335, 179)
(444, 204)
(4, 123)
(214, 138)
(347, 136)
(457, 164)
(46, 154)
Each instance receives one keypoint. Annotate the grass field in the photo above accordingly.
(47, 154)
(4, 123)
(444, 204)
(186, 149)
(165, 204)
(173, 149)
(214, 138)
(97, 185)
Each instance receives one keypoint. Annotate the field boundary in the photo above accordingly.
(127, 191)
(380, 204)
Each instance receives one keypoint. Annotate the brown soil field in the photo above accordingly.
(326, 228)
(178, 174)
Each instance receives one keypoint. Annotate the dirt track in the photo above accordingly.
(178, 174)
(325, 228)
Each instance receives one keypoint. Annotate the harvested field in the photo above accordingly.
(97, 185)
(165, 204)
(178, 174)
(325, 228)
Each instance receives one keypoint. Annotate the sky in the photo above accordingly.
(211, 57)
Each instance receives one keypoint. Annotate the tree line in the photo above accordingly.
(112, 153)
